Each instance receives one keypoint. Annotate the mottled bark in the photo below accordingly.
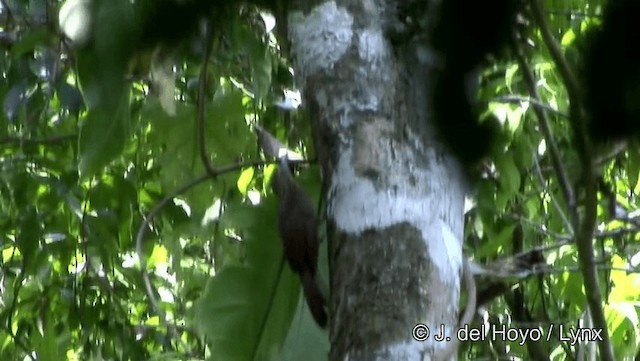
(394, 196)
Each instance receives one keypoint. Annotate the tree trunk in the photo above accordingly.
(394, 196)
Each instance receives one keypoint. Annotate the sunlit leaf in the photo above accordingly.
(245, 180)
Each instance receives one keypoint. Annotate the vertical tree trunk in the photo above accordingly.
(394, 196)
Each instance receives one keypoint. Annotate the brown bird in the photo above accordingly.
(298, 228)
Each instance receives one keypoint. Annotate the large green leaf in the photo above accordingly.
(172, 139)
(101, 70)
(246, 310)
(102, 136)
(28, 239)
(227, 131)
(47, 344)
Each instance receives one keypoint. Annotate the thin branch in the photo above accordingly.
(573, 14)
(536, 102)
(18, 342)
(143, 263)
(584, 242)
(7, 13)
(211, 173)
(555, 51)
(265, 318)
(540, 249)
(576, 269)
(569, 80)
(14, 302)
(564, 239)
(560, 237)
(584, 236)
(506, 269)
(56, 140)
(202, 102)
(552, 146)
(568, 224)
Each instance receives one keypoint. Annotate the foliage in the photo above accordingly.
(524, 223)
(92, 155)
(90, 148)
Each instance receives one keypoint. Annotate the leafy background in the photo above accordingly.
(96, 158)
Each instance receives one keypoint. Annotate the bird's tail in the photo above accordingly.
(314, 298)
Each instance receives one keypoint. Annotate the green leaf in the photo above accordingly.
(28, 239)
(102, 232)
(305, 341)
(259, 58)
(261, 71)
(227, 129)
(622, 320)
(172, 140)
(163, 83)
(246, 310)
(102, 137)
(70, 97)
(499, 238)
(633, 167)
(509, 174)
(46, 345)
(244, 181)
(101, 71)
(29, 41)
(159, 256)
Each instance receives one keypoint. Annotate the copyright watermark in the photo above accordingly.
(420, 332)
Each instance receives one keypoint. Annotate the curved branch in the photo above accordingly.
(143, 263)
(202, 102)
(142, 230)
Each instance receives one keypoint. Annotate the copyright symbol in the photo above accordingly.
(420, 332)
